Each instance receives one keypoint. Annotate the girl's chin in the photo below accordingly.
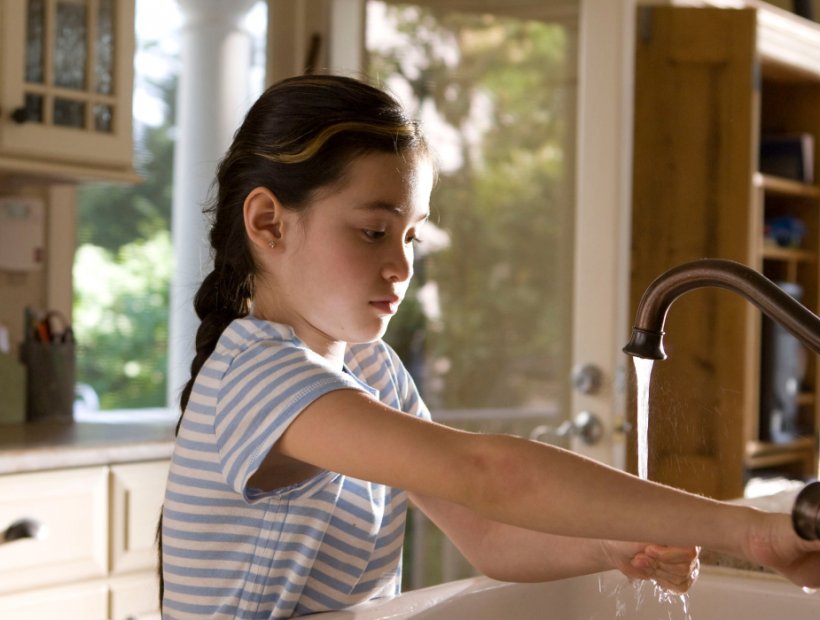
(371, 335)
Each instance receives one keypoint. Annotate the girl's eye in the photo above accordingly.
(376, 235)
(373, 235)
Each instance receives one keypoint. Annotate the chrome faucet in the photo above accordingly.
(647, 334)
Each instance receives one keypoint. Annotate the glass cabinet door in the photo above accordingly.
(67, 80)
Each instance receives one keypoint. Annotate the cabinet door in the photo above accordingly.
(137, 490)
(84, 601)
(70, 507)
(694, 158)
(135, 597)
(67, 73)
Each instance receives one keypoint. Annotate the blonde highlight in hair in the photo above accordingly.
(310, 149)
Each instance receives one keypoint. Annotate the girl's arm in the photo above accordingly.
(510, 553)
(532, 485)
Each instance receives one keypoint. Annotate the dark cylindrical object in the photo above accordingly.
(803, 8)
(50, 373)
(806, 512)
(782, 368)
(645, 344)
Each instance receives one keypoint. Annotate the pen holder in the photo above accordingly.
(49, 380)
(13, 390)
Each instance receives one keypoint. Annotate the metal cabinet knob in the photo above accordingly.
(587, 379)
(585, 425)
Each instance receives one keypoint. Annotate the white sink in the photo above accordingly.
(719, 594)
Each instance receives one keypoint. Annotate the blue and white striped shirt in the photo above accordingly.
(232, 551)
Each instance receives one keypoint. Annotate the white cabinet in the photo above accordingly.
(134, 597)
(95, 557)
(69, 509)
(137, 490)
(76, 601)
(66, 81)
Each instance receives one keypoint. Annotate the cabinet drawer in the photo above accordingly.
(135, 596)
(71, 507)
(137, 491)
(85, 601)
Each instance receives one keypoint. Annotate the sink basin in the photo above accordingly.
(718, 594)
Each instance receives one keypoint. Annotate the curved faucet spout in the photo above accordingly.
(777, 304)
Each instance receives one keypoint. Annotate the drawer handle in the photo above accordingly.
(25, 528)
(19, 115)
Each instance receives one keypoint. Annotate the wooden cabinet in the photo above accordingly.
(95, 558)
(66, 80)
(710, 83)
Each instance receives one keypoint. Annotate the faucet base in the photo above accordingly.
(806, 512)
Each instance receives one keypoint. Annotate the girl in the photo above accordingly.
(303, 436)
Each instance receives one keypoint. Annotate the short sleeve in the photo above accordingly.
(379, 366)
(265, 388)
(408, 393)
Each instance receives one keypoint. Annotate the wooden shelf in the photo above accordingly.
(761, 454)
(775, 252)
(806, 399)
(786, 187)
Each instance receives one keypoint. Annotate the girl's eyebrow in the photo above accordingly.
(380, 205)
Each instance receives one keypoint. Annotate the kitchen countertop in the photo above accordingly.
(54, 445)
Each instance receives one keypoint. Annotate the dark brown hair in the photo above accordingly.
(298, 137)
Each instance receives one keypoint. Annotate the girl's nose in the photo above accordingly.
(398, 266)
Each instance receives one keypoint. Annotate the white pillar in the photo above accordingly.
(213, 96)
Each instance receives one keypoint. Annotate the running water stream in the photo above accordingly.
(643, 374)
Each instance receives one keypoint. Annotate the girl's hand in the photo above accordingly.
(774, 543)
(672, 568)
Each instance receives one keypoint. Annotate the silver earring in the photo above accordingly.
(271, 244)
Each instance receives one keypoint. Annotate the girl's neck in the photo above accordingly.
(271, 309)
(331, 350)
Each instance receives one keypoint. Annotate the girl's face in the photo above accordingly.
(348, 258)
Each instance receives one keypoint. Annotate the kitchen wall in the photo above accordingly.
(50, 286)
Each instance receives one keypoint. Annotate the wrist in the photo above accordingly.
(603, 558)
(614, 554)
(767, 536)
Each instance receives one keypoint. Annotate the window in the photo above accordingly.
(124, 258)
(486, 331)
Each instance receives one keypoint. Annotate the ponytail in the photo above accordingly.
(222, 297)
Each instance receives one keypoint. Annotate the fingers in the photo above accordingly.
(672, 555)
(675, 581)
(673, 568)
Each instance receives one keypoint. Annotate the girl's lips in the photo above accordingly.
(386, 306)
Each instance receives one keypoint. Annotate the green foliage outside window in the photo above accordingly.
(122, 274)
(501, 85)
(121, 320)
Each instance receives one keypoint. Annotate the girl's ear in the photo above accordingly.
(263, 218)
